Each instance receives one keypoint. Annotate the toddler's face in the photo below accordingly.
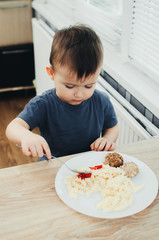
(71, 90)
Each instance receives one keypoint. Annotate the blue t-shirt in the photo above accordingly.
(69, 129)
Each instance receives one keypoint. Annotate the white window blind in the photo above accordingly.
(128, 28)
(142, 34)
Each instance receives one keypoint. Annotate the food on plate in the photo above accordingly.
(116, 189)
(113, 159)
(130, 168)
(116, 160)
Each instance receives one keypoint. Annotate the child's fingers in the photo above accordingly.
(107, 146)
(112, 146)
(33, 150)
(95, 145)
(26, 150)
(46, 149)
(92, 146)
(101, 145)
(39, 150)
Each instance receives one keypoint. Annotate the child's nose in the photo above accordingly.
(78, 94)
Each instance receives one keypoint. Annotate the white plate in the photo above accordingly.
(87, 205)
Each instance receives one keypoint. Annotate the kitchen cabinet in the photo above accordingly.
(15, 22)
(16, 45)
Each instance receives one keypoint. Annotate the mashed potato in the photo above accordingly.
(116, 189)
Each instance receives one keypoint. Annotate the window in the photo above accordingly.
(129, 30)
(128, 27)
(140, 35)
(104, 16)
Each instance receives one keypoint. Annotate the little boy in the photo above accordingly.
(71, 117)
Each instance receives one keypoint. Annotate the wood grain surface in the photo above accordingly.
(11, 104)
(31, 210)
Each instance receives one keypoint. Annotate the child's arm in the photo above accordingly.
(32, 144)
(107, 141)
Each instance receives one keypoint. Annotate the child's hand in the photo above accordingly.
(102, 144)
(35, 145)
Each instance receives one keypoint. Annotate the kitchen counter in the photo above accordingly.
(31, 210)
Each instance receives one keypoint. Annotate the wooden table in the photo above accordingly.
(30, 208)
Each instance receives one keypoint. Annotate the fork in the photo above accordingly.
(71, 169)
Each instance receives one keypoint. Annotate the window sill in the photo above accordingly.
(133, 80)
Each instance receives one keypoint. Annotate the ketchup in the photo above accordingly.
(88, 175)
(84, 175)
(96, 167)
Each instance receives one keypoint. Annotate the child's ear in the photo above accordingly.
(50, 72)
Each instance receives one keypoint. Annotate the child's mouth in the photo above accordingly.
(77, 100)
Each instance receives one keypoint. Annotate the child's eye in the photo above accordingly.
(67, 86)
(88, 86)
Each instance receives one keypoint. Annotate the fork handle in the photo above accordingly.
(53, 157)
(19, 146)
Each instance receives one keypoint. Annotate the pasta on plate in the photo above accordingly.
(116, 189)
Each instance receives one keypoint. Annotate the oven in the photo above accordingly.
(16, 45)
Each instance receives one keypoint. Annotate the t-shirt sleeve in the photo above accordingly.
(110, 118)
(33, 112)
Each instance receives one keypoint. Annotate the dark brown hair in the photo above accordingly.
(79, 48)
